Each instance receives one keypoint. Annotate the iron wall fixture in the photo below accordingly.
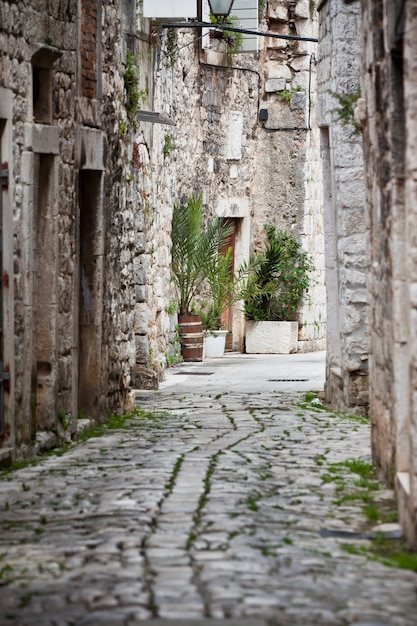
(244, 31)
(263, 115)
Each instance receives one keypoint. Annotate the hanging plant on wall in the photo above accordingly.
(134, 95)
(232, 40)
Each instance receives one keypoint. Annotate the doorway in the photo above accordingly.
(90, 292)
(4, 376)
(227, 316)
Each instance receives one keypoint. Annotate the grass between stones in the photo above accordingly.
(363, 489)
(125, 421)
(390, 552)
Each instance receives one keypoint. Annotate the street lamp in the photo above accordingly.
(220, 8)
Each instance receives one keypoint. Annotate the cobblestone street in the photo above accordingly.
(206, 506)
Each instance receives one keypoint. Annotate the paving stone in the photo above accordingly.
(240, 529)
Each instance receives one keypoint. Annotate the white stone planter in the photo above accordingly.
(271, 337)
(214, 343)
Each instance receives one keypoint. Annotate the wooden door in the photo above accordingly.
(227, 317)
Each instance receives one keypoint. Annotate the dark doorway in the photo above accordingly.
(45, 295)
(4, 376)
(90, 303)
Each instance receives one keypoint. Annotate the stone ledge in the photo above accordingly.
(42, 138)
(405, 515)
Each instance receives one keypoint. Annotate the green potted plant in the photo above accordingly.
(225, 40)
(195, 249)
(276, 287)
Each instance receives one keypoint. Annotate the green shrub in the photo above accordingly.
(280, 278)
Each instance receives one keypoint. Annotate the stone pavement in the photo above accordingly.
(216, 504)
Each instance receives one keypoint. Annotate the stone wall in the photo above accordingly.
(71, 210)
(406, 427)
(389, 77)
(345, 219)
(287, 188)
(221, 149)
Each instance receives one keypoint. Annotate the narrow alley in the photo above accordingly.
(232, 495)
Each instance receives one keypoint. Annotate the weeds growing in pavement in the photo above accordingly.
(390, 552)
(114, 422)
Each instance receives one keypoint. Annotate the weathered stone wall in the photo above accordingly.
(287, 187)
(389, 76)
(406, 412)
(346, 225)
(221, 150)
(193, 157)
(72, 212)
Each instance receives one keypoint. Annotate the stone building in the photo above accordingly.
(345, 220)
(72, 222)
(370, 205)
(245, 137)
(389, 82)
(106, 119)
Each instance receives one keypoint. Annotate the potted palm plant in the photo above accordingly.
(276, 287)
(195, 249)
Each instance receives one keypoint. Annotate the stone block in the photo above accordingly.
(42, 138)
(233, 171)
(277, 12)
(233, 206)
(140, 243)
(271, 337)
(139, 220)
(6, 103)
(141, 323)
(140, 293)
(88, 112)
(302, 9)
(46, 440)
(300, 63)
(355, 277)
(352, 222)
(276, 69)
(27, 167)
(213, 57)
(234, 146)
(298, 101)
(140, 268)
(275, 84)
(142, 349)
(89, 147)
(145, 378)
